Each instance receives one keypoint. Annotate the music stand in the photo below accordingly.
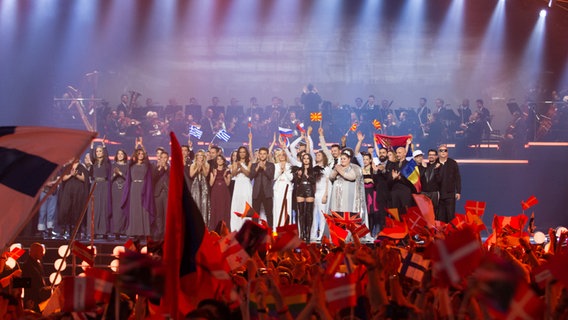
(513, 107)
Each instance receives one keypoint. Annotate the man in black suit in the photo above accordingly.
(450, 185)
(33, 269)
(262, 173)
(161, 177)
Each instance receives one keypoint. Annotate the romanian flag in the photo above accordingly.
(377, 124)
(315, 116)
(27, 150)
(411, 172)
(185, 234)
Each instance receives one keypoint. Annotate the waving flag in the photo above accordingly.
(413, 265)
(340, 293)
(315, 116)
(185, 234)
(354, 126)
(531, 201)
(392, 142)
(26, 150)
(377, 124)
(223, 135)
(346, 219)
(249, 212)
(412, 173)
(457, 256)
(83, 252)
(287, 238)
(285, 132)
(300, 126)
(476, 207)
(195, 132)
(394, 229)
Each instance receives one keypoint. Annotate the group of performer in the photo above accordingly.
(299, 183)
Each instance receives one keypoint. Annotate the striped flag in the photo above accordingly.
(340, 293)
(315, 116)
(78, 294)
(83, 252)
(413, 265)
(285, 132)
(24, 150)
(411, 172)
(195, 132)
(223, 135)
(354, 126)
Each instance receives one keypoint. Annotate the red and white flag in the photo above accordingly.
(78, 294)
(234, 254)
(531, 201)
(526, 305)
(16, 253)
(426, 207)
(340, 293)
(83, 252)
(415, 221)
(394, 229)
(475, 207)
(103, 283)
(130, 245)
(287, 238)
(457, 256)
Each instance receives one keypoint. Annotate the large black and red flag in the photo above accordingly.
(28, 157)
(185, 232)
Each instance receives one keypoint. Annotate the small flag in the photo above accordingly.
(526, 304)
(84, 253)
(104, 281)
(248, 213)
(232, 251)
(300, 126)
(531, 201)
(394, 229)
(195, 132)
(354, 126)
(476, 207)
(285, 132)
(287, 238)
(249, 122)
(425, 207)
(223, 135)
(412, 173)
(336, 233)
(315, 116)
(16, 253)
(78, 294)
(340, 293)
(377, 124)
(130, 245)
(346, 219)
(413, 265)
(361, 231)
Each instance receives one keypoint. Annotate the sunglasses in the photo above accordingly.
(443, 150)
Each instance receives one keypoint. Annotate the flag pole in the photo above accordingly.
(284, 207)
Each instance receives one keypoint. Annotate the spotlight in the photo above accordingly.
(63, 250)
(114, 264)
(542, 13)
(539, 237)
(117, 251)
(559, 231)
(52, 278)
(60, 263)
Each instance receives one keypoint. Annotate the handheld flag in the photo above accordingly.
(412, 173)
(531, 201)
(84, 253)
(285, 132)
(354, 126)
(24, 150)
(223, 135)
(392, 142)
(195, 132)
(315, 116)
(248, 213)
(377, 124)
(475, 207)
(300, 126)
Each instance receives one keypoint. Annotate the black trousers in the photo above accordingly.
(267, 204)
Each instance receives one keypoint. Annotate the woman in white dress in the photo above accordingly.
(346, 192)
(282, 179)
(242, 193)
(323, 190)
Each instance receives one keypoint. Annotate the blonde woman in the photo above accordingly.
(198, 172)
(282, 179)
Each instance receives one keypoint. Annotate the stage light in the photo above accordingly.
(84, 265)
(10, 262)
(117, 251)
(114, 265)
(144, 250)
(52, 278)
(15, 245)
(542, 13)
(62, 251)
(60, 263)
(559, 231)
(539, 237)
(81, 275)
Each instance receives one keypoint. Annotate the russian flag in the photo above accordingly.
(285, 132)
